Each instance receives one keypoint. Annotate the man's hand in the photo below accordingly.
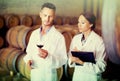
(29, 64)
(43, 53)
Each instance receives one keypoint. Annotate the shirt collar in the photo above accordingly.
(47, 30)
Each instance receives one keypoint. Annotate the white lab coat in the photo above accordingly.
(54, 43)
(89, 71)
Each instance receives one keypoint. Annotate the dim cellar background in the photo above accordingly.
(18, 18)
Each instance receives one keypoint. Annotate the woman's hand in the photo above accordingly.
(75, 49)
(76, 60)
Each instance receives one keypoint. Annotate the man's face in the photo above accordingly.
(47, 16)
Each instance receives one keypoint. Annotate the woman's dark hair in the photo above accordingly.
(91, 18)
(49, 5)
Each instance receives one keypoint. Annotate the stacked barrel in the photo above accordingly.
(3, 31)
(8, 21)
(16, 38)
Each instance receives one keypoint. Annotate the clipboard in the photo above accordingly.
(84, 56)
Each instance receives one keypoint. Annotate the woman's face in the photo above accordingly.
(83, 24)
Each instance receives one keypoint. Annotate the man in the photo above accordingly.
(45, 60)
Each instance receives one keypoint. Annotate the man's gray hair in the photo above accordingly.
(49, 5)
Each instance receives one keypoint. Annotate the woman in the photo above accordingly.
(87, 41)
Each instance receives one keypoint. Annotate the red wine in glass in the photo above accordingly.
(40, 46)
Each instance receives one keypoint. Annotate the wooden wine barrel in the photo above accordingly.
(2, 22)
(68, 71)
(23, 69)
(27, 21)
(8, 57)
(21, 66)
(12, 21)
(3, 72)
(30, 32)
(38, 20)
(66, 20)
(60, 73)
(16, 36)
(73, 29)
(74, 21)
(58, 20)
(1, 42)
(68, 37)
(98, 30)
